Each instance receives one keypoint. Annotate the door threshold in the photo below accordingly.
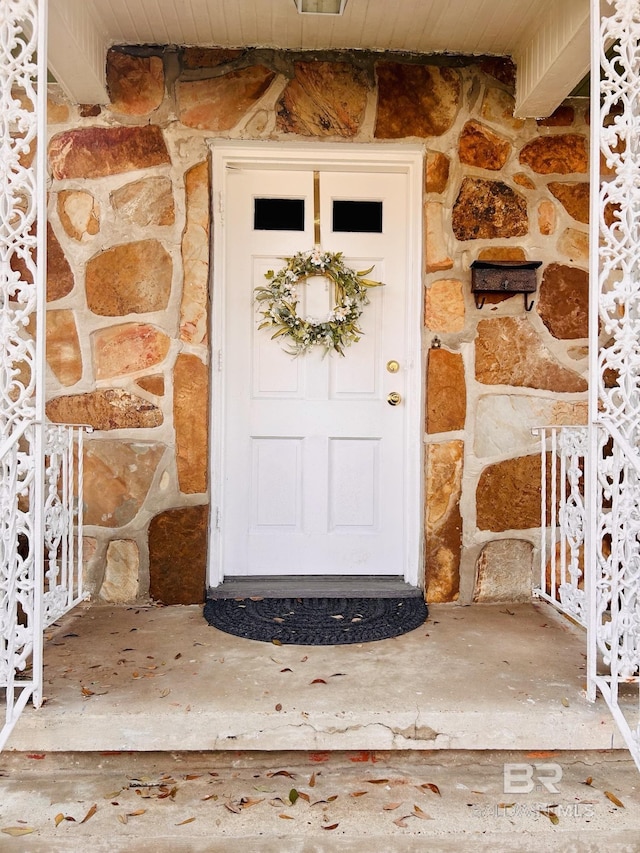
(315, 586)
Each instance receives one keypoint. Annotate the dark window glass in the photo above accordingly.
(278, 214)
(360, 216)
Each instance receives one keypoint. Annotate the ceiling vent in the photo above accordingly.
(320, 7)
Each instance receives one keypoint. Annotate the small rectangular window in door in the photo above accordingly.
(278, 214)
(357, 217)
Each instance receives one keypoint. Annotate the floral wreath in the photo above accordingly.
(279, 300)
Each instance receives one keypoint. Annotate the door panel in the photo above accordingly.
(312, 468)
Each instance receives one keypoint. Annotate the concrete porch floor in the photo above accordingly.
(485, 677)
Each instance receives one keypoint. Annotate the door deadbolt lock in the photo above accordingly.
(393, 366)
(394, 398)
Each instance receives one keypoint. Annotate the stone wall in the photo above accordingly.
(128, 281)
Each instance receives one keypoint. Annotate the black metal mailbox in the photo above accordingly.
(504, 277)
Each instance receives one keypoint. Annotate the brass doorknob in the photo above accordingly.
(394, 398)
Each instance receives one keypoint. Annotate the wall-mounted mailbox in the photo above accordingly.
(504, 277)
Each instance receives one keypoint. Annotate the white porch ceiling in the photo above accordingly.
(548, 40)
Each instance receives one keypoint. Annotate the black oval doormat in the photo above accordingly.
(316, 621)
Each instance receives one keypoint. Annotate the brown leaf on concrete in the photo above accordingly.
(90, 813)
(553, 817)
(183, 822)
(614, 799)
(332, 826)
(391, 807)
(430, 786)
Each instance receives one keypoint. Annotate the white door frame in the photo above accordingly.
(404, 159)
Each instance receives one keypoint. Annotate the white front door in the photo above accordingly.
(313, 469)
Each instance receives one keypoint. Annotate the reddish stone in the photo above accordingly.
(95, 152)
(324, 99)
(415, 100)
(436, 172)
(481, 147)
(563, 303)
(178, 555)
(562, 117)
(524, 181)
(219, 103)
(446, 391)
(135, 83)
(443, 528)
(195, 255)
(508, 495)
(574, 197)
(118, 350)
(502, 68)
(205, 57)
(488, 210)
(561, 155)
(60, 280)
(191, 422)
(111, 408)
(134, 278)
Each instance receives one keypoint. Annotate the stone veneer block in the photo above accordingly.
(219, 103)
(509, 352)
(486, 210)
(134, 278)
(208, 57)
(507, 420)
(446, 391)
(63, 347)
(575, 245)
(478, 146)
(574, 197)
(190, 420)
(504, 571)
(562, 117)
(119, 350)
(96, 152)
(111, 408)
(443, 521)
(498, 107)
(324, 99)
(415, 100)
(178, 555)
(523, 181)
(502, 68)
(135, 83)
(436, 255)
(444, 309)
(121, 577)
(60, 279)
(560, 155)
(148, 201)
(546, 217)
(502, 253)
(117, 479)
(195, 256)
(153, 384)
(79, 213)
(508, 495)
(57, 111)
(563, 301)
(436, 172)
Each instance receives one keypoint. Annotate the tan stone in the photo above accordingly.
(134, 278)
(135, 83)
(578, 353)
(498, 106)
(63, 347)
(478, 146)
(436, 255)
(190, 420)
(324, 99)
(446, 391)
(546, 217)
(560, 154)
(95, 152)
(563, 302)
(121, 578)
(105, 409)
(488, 210)
(117, 479)
(127, 348)
(509, 352)
(523, 181)
(562, 117)
(504, 571)
(60, 280)
(79, 213)
(57, 111)
(195, 256)
(153, 384)
(208, 57)
(502, 253)
(508, 495)
(415, 100)
(444, 306)
(575, 245)
(574, 197)
(436, 172)
(148, 201)
(178, 555)
(443, 528)
(219, 103)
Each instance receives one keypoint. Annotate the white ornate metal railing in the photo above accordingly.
(563, 454)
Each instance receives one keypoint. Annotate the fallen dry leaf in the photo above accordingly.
(304, 796)
(390, 807)
(90, 813)
(122, 818)
(318, 681)
(282, 773)
(358, 793)
(187, 820)
(553, 817)
(86, 692)
(377, 781)
(59, 818)
(565, 701)
(614, 799)
(293, 796)
(506, 805)
(209, 797)
(286, 669)
(192, 776)
(136, 813)
(286, 817)
(588, 780)
(279, 707)
(312, 781)
(235, 808)
(429, 786)
(332, 826)
(276, 642)
(401, 821)
(419, 813)
(165, 692)
(16, 831)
